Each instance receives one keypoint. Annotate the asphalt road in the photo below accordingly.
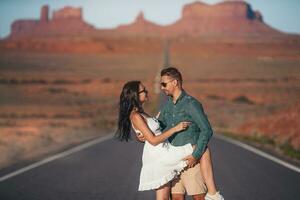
(110, 171)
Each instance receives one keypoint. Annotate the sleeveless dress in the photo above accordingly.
(160, 163)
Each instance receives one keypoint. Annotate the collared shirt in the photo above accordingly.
(187, 108)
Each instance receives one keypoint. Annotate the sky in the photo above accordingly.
(283, 15)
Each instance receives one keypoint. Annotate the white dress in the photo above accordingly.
(161, 163)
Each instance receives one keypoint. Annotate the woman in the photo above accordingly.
(161, 160)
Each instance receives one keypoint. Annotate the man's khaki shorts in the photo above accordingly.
(190, 181)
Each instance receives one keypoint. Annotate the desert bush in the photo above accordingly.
(243, 99)
(57, 90)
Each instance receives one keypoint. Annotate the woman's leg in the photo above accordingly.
(207, 172)
(163, 193)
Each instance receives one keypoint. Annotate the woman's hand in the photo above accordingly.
(140, 137)
(182, 126)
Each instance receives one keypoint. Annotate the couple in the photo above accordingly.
(175, 158)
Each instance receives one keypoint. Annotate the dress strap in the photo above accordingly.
(144, 116)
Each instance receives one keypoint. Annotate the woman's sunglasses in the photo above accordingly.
(144, 90)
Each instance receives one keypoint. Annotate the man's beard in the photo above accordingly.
(168, 94)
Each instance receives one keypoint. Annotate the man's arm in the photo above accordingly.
(199, 117)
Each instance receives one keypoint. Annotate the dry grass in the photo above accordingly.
(49, 101)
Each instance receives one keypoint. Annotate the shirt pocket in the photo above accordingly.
(181, 112)
(182, 115)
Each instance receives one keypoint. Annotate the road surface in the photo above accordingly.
(110, 170)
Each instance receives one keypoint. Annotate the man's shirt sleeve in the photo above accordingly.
(199, 117)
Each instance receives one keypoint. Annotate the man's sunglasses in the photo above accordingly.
(164, 84)
(144, 90)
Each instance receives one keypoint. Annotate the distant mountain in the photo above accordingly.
(229, 18)
(226, 18)
(67, 21)
(141, 26)
(221, 26)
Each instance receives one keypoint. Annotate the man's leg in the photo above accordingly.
(198, 197)
(177, 188)
(194, 183)
(181, 197)
(177, 197)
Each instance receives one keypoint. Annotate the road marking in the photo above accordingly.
(258, 152)
(56, 156)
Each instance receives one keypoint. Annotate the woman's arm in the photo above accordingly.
(140, 124)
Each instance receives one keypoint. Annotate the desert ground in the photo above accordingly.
(50, 100)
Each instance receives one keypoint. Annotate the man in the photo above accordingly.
(183, 107)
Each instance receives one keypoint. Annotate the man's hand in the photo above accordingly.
(191, 161)
(140, 137)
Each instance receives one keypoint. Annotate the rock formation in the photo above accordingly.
(229, 19)
(66, 21)
(140, 26)
(67, 13)
(44, 14)
(226, 18)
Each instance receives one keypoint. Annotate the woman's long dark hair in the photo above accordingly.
(129, 99)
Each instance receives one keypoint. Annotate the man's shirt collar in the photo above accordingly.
(183, 94)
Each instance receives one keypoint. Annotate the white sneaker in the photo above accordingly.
(216, 196)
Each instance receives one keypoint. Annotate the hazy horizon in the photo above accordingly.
(110, 14)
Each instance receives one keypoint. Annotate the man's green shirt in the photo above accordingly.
(187, 108)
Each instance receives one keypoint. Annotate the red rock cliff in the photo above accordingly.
(140, 26)
(230, 18)
(66, 21)
(67, 13)
(226, 18)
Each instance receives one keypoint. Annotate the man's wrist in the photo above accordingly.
(195, 156)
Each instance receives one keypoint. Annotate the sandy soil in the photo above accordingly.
(51, 100)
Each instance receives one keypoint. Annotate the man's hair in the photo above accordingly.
(172, 72)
